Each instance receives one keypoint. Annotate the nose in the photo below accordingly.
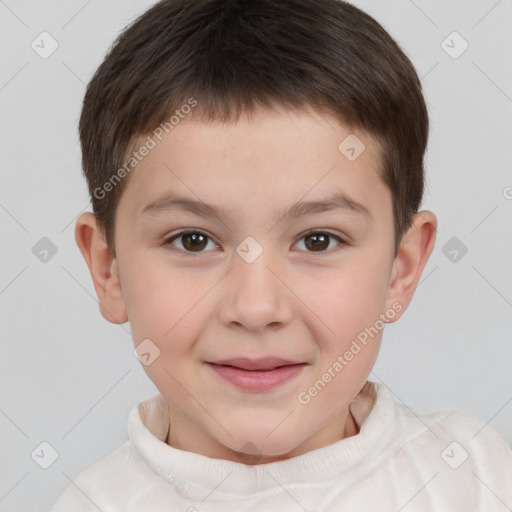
(254, 296)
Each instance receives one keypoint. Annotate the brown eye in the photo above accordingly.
(319, 241)
(191, 241)
(194, 241)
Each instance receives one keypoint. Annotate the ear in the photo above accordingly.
(103, 267)
(415, 249)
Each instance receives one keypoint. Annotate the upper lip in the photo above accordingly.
(266, 363)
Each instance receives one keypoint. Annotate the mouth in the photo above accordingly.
(262, 364)
(256, 375)
(258, 370)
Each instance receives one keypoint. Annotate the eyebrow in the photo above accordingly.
(338, 201)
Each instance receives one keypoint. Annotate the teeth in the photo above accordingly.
(260, 370)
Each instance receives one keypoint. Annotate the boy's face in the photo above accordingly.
(255, 284)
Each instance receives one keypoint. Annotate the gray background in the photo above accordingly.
(70, 378)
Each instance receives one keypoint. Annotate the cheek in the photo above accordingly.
(162, 301)
(350, 299)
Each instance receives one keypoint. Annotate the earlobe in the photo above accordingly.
(103, 267)
(413, 253)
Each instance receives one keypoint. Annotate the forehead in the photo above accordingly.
(258, 164)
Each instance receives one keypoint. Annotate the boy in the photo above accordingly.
(256, 171)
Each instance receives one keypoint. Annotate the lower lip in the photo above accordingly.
(257, 380)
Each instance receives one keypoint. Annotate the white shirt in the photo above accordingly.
(400, 460)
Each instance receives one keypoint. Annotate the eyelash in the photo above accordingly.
(168, 241)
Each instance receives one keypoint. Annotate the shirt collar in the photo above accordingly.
(196, 475)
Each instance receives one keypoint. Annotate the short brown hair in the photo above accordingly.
(235, 55)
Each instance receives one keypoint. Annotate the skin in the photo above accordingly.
(292, 302)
